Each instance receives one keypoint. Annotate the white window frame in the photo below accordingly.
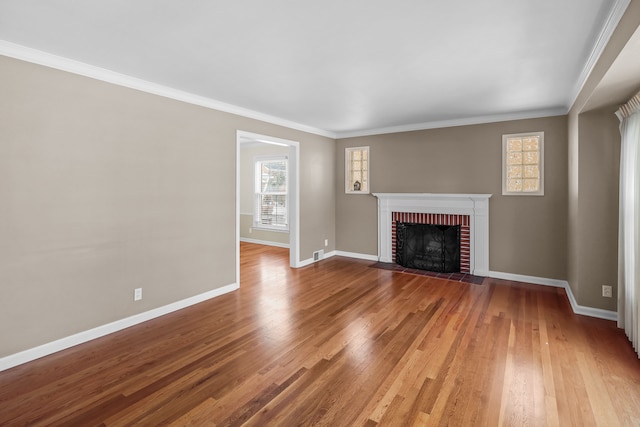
(505, 139)
(348, 182)
(257, 187)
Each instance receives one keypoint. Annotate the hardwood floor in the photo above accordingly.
(339, 343)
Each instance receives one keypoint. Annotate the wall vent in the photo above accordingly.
(318, 255)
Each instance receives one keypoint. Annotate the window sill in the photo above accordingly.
(276, 229)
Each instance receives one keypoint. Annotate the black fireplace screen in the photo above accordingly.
(428, 247)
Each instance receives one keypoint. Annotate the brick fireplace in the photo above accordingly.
(470, 211)
(436, 219)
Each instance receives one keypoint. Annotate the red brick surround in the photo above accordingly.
(437, 219)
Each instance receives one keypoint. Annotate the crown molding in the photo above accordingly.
(610, 26)
(35, 56)
(521, 115)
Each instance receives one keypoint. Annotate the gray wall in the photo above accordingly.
(527, 234)
(105, 189)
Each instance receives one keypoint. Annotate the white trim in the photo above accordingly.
(35, 56)
(577, 308)
(329, 254)
(265, 242)
(456, 122)
(310, 261)
(306, 262)
(355, 255)
(474, 205)
(528, 279)
(294, 203)
(613, 20)
(31, 354)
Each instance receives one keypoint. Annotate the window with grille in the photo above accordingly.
(271, 193)
(522, 164)
(356, 170)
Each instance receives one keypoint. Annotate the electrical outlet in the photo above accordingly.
(607, 291)
(137, 294)
(326, 242)
(250, 230)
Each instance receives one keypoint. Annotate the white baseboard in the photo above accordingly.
(29, 355)
(357, 255)
(329, 254)
(529, 279)
(306, 262)
(310, 261)
(265, 242)
(341, 253)
(91, 334)
(577, 308)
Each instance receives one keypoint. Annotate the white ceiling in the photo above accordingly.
(341, 67)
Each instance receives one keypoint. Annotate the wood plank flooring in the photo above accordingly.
(339, 343)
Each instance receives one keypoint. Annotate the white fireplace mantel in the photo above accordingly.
(474, 205)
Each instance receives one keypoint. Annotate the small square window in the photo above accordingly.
(356, 176)
(522, 164)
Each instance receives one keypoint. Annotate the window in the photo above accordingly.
(522, 164)
(356, 176)
(271, 193)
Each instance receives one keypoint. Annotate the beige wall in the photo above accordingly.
(105, 189)
(527, 234)
(248, 153)
(597, 225)
(261, 236)
(593, 208)
(594, 145)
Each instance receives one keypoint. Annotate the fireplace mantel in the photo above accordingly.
(474, 205)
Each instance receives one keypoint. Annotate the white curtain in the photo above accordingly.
(629, 223)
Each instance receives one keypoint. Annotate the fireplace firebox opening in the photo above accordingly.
(428, 247)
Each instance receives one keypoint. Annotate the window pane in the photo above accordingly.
(274, 176)
(514, 158)
(514, 185)
(271, 193)
(532, 171)
(531, 144)
(530, 185)
(514, 145)
(531, 157)
(514, 172)
(273, 210)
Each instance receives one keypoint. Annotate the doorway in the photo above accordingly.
(244, 139)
